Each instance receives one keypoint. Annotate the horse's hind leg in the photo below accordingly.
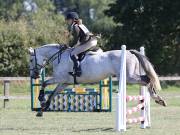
(133, 73)
(144, 80)
(156, 97)
(133, 76)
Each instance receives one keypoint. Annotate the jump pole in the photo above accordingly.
(145, 112)
(121, 96)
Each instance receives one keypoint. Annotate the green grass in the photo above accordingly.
(18, 119)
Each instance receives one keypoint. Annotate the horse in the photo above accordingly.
(95, 67)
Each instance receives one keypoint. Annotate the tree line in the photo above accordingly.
(154, 24)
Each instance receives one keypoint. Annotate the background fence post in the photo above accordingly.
(6, 92)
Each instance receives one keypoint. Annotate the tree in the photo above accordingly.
(33, 29)
(154, 24)
(10, 10)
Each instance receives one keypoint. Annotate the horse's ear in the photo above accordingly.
(31, 50)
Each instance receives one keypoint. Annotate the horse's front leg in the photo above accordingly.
(41, 97)
(54, 92)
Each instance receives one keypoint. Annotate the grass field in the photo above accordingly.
(18, 119)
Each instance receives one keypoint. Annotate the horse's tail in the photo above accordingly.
(148, 68)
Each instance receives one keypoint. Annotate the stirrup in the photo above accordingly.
(78, 74)
(72, 73)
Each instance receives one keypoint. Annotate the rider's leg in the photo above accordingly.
(77, 67)
(79, 49)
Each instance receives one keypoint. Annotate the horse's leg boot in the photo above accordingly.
(42, 99)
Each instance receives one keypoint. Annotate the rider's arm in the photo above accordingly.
(75, 36)
(76, 30)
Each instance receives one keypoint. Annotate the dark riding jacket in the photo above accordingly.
(82, 37)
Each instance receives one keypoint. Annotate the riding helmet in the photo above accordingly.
(72, 15)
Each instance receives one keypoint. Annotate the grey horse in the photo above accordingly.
(95, 67)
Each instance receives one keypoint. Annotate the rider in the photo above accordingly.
(82, 41)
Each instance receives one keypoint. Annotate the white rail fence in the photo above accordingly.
(7, 80)
(161, 78)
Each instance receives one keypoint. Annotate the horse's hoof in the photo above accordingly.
(161, 102)
(39, 114)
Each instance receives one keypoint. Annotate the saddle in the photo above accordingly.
(91, 51)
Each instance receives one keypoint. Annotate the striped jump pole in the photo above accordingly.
(144, 98)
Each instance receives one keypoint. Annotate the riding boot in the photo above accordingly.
(77, 67)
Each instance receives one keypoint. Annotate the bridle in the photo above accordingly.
(55, 56)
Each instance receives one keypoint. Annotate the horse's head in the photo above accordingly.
(42, 56)
(36, 63)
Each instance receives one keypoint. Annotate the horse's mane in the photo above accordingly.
(57, 46)
(51, 45)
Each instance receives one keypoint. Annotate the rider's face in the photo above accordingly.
(69, 21)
